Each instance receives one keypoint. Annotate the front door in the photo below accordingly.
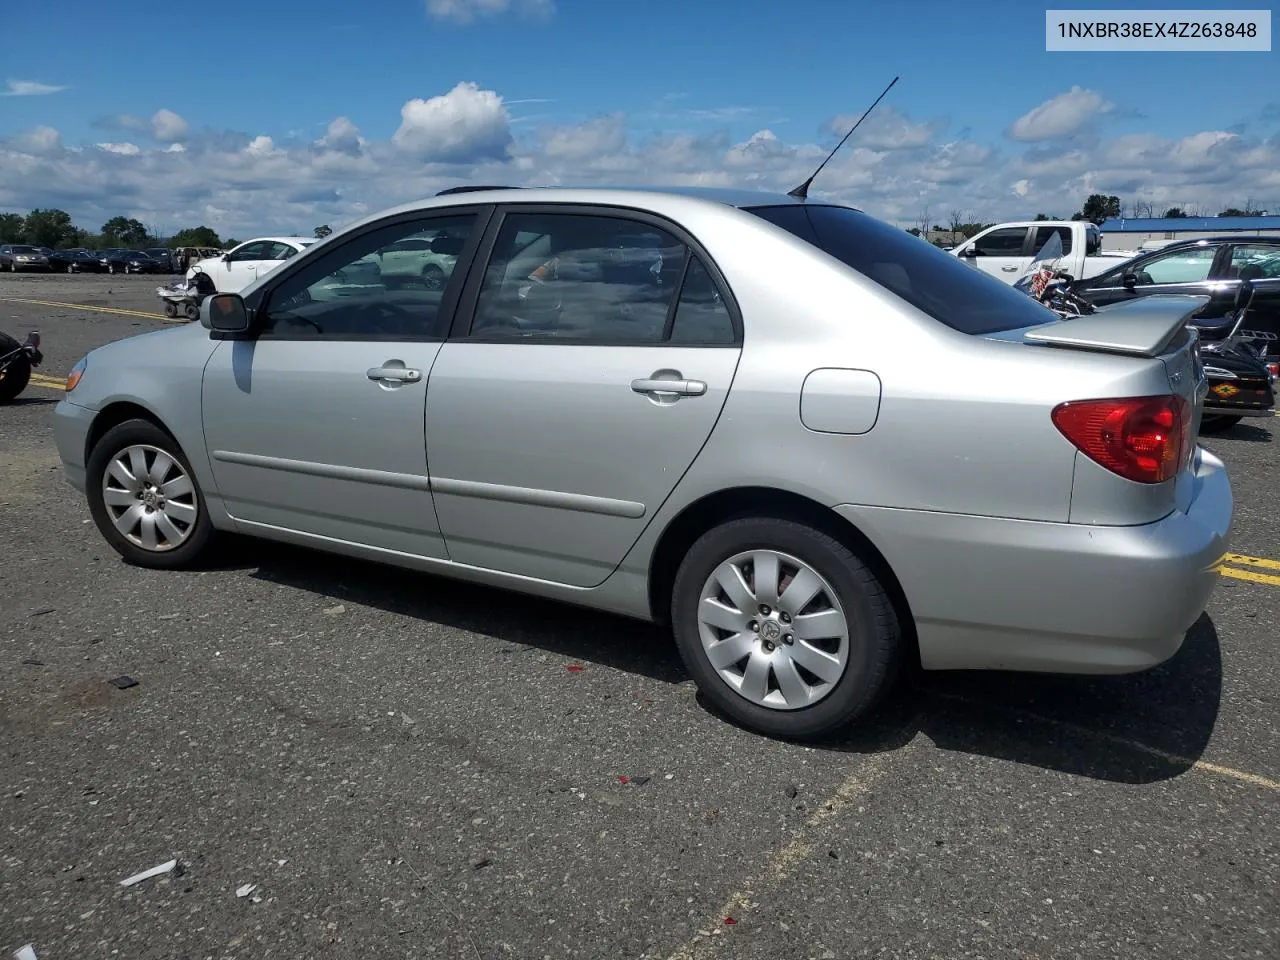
(1001, 253)
(1186, 270)
(316, 424)
(599, 352)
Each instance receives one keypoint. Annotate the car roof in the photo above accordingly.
(624, 195)
(1229, 238)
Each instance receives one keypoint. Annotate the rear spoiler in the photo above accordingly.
(1144, 327)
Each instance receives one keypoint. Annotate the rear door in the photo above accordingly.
(594, 352)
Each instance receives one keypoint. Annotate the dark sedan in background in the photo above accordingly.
(78, 260)
(129, 261)
(1210, 267)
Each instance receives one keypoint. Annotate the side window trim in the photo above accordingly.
(674, 307)
(469, 296)
(261, 298)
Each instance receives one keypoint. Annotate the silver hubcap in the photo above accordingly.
(150, 498)
(773, 629)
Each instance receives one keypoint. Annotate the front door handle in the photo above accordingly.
(681, 388)
(398, 374)
(1009, 269)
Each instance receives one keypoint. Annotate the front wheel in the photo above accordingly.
(15, 376)
(170, 309)
(145, 499)
(432, 277)
(1218, 423)
(784, 628)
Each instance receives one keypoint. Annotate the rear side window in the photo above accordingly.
(1044, 233)
(943, 286)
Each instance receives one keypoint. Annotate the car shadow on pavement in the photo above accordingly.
(1247, 433)
(1138, 728)
(581, 634)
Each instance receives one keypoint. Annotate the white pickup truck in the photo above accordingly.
(1006, 249)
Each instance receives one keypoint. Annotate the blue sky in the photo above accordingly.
(562, 86)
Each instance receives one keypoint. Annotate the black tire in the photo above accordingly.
(15, 377)
(191, 311)
(875, 636)
(71, 268)
(1218, 423)
(170, 309)
(432, 277)
(119, 438)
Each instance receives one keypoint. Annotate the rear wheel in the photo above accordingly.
(784, 628)
(145, 499)
(191, 311)
(15, 376)
(1218, 423)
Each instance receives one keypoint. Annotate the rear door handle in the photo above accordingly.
(400, 374)
(682, 388)
(1009, 269)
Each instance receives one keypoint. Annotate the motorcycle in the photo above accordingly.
(16, 362)
(1239, 378)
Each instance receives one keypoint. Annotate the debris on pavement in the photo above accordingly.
(168, 867)
(334, 611)
(481, 864)
(575, 668)
(123, 682)
(27, 952)
(44, 611)
(791, 791)
(33, 662)
(245, 890)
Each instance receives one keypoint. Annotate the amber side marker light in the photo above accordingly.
(74, 376)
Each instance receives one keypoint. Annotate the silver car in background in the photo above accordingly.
(811, 444)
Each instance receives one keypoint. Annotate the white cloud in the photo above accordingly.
(168, 127)
(465, 11)
(465, 125)
(289, 182)
(1060, 116)
(29, 88)
(40, 141)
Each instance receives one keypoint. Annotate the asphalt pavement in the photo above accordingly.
(402, 766)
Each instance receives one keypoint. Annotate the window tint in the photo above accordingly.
(1006, 242)
(1044, 233)
(250, 251)
(1255, 261)
(1179, 266)
(937, 283)
(701, 314)
(345, 295)
(578, 277)
(275, 250)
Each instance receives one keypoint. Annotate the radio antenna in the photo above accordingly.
(802, 191)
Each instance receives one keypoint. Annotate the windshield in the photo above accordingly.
(23, 248)
(926, 277)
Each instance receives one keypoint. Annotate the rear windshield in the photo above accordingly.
(937, 283)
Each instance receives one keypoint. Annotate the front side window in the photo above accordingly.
(250, 251)
(575, 277)
(343, 294)
(937, 283)
(1005, 242)
(1178, 266)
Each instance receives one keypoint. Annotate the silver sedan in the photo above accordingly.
(811, 444)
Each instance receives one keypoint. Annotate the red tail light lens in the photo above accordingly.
(1140, 438)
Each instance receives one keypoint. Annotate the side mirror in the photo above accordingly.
(1130, 280)
(970, 251)
(224, 313)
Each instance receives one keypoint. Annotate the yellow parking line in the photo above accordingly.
(81, 306)
(1242, 560)
(52, 383)
(1250, 575)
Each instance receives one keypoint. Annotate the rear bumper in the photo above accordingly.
(71, 423)
(990, 593)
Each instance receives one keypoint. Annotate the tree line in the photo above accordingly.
(53, 228)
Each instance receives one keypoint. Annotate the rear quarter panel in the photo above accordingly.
(963, 423)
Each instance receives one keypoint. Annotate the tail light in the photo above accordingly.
(1140, 438)
(1273, 370)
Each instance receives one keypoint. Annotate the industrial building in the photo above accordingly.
(1136, 233)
